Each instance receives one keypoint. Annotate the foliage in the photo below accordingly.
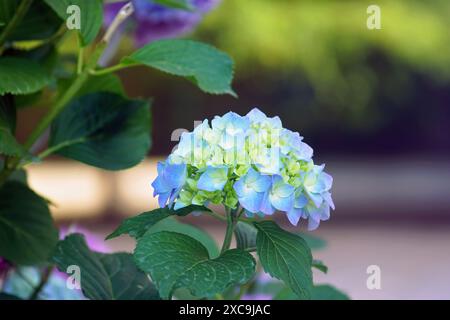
(91, 120)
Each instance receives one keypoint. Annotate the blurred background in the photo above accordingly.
(374, 105)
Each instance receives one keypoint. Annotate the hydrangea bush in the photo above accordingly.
(249, 165)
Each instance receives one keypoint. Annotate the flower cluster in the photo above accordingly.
(154, 21)
(249, 161)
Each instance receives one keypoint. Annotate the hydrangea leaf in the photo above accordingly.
(9, 145)
(175, 260)
(104, 276)
(39, 23)
(22, 76)
(209, 68)
(6, 296)
(318, 292)
(104, 130)
(173, 225)
(91, 16)
(27, 233)
(32, 26)
(245, 235)
(285, 256)
(137, 226)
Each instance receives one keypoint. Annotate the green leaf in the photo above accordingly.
(6, 296)
(138, 225)
(104, 130)
(328, 292)
(91, 16)
(209, 68)
(9, 145)
(173, 225)
(175, 260)
(179, 4)
(285, 256)
(104, 276)
(105, 83)
(27, 233)
(39, 23)
(319, 265)
(21, 76)
(245, 235)
(7, 112)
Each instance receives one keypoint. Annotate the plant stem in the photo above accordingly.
(80, 60)
(57, 147)
(231, 223)
(59, 105)
(112, 69)
(44, 278)
(21, 11)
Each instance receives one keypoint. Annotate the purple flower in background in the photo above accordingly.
(154, 21)
(4, 267)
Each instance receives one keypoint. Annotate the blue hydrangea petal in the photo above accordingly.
(316, 199)
(160, 186)
(175, 175)
(282, 203)
(252, 202)
(162, 199)
(262, 184)
(300, 201)
(294, 215)
(213, 179)
(266, 206)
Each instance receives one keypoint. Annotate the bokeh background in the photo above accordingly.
(374, 105)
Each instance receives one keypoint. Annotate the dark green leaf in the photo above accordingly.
(209, 68)
(319, 265)
(105, 83)
(39, 23)
(27, 233)
(327, 292)
(103, 130)
(175, 260)
(5, 296)
(104, 276)
(7, 113)
(21, 76)
(138, 225)
(285, 256)
(9, 145)
(245, 235)
(91, 16)
(173, 225)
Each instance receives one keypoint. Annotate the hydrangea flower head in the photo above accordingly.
(246, 161)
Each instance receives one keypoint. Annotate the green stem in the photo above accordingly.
(21, 11)
(80, 61)
(231, 223)
(44, 279)
(58, 147)
(112, 69)
(64, 99)
(59, 105)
